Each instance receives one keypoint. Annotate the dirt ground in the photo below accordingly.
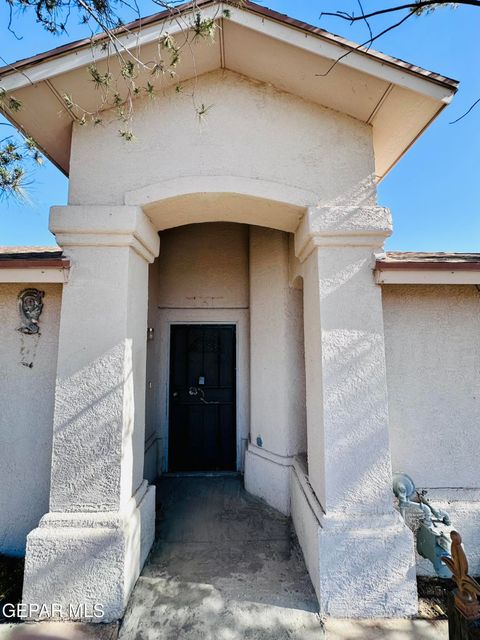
(432, 597)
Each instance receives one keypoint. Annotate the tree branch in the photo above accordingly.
(413, 6)
(367, 43)
(466, 112)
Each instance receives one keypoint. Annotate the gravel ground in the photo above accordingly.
(432, 597)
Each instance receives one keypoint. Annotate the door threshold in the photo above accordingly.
(200, 474)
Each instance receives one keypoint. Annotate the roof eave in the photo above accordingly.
(40, 71)
(427, 272)
(19, 67)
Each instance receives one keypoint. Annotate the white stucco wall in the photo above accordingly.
(277, 369)
(277, 351)
(26, 414)
(433, 357)
(251, 130)
(204, 265)
(432, 338)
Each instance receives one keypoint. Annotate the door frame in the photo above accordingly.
(236, 317)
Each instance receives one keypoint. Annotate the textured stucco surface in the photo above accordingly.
(276, 345)
(26, 415)
(278, 427)
(203, 266)
(347, 556)
(95, 538)
(432, 336)
(99, 396)
(244, 114)
(90, 559)
(347, 409)
(268, 478)
(254, 137)
(363, 545)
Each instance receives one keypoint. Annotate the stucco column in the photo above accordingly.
(363, 545)
(89, 549)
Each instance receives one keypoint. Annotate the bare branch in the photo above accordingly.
(466, 112)
(367, 43)
(366, 20)
(412, 6)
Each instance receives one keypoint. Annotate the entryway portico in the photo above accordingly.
(293, 159)
(101, 520)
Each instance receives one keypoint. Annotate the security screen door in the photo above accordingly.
(202, 411)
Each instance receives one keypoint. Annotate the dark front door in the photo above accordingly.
(202, 433)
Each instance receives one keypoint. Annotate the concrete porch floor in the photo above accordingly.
(225, 566)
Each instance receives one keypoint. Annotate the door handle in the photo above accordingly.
(195, 391)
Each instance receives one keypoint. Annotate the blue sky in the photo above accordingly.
(434, 191)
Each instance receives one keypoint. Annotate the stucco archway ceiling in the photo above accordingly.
(397, 99)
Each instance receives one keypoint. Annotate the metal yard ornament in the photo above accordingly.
(30, 303)
(467, 591)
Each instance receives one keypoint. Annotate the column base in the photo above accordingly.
(83, 566)
(360, 566)
(267, 475)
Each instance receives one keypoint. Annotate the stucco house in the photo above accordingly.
(221, 301)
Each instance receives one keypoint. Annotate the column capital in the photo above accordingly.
(332, 226)
(107, 226)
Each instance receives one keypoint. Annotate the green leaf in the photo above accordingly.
(126, 134)
(128, 69)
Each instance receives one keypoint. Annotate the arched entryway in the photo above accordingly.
(226, 355)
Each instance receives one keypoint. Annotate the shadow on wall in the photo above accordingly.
(92, 460)
(91, 546)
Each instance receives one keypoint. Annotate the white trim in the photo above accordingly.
(72, 60)
(108, 226)
(340, 240)
(321, 46)
(282, 461)
(237, 317)
(37, 274)
(426, 276)
(288, 34)
(300, 473)
(242, 185)
(335, 226)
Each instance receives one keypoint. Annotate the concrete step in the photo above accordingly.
(395, 629)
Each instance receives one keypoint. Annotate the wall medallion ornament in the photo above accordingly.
(30, 303)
